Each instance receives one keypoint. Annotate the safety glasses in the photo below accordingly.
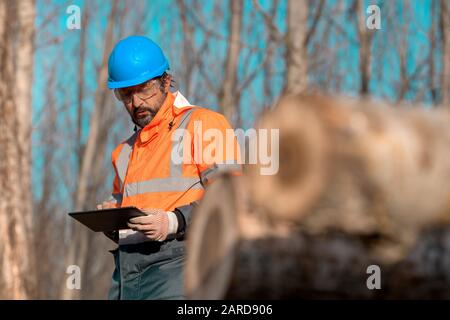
(144, 91)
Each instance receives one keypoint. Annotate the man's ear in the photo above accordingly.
(167, 81)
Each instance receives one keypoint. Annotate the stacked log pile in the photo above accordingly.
(359, 184)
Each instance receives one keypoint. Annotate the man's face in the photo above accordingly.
(143, 101)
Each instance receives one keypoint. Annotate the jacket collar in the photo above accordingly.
(173, 105)
(180, 101)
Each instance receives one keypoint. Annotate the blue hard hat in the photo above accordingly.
(135, 60)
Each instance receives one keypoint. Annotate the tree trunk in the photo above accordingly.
(80, 239)
(228, 99)
(365, 41)
(431, 60)
(44, 217)
(188, 56)
(16, 61)
(296, 53)
(445, 32)
(80, 83)
(268, 68)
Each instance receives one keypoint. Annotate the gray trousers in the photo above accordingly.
(149, 270)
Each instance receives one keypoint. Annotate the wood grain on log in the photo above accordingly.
(370, 169)
(303, 163)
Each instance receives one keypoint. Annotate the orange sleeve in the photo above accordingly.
(116, 185)
(215, 146)
(116, 194)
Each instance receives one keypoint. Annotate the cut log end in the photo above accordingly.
(211, 241)
(302, 162)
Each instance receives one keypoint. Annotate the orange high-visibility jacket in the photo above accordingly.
(147, 173)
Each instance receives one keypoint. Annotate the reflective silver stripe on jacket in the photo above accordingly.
(124, 157)
(176, 170)
(175, 182)
(171, 184)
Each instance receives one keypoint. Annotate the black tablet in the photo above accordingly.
(107, 219)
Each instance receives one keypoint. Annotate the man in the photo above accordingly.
(148, 174)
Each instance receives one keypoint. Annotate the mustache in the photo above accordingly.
(142, 109)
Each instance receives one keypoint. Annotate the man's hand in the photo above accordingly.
(155, 225)
(106, 205)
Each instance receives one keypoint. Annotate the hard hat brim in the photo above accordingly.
(141, 79)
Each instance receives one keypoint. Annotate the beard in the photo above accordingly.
(143, 121)
(151, 109)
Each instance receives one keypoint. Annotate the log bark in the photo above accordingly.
(238, 253)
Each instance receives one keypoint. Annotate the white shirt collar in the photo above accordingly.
(180, 100)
